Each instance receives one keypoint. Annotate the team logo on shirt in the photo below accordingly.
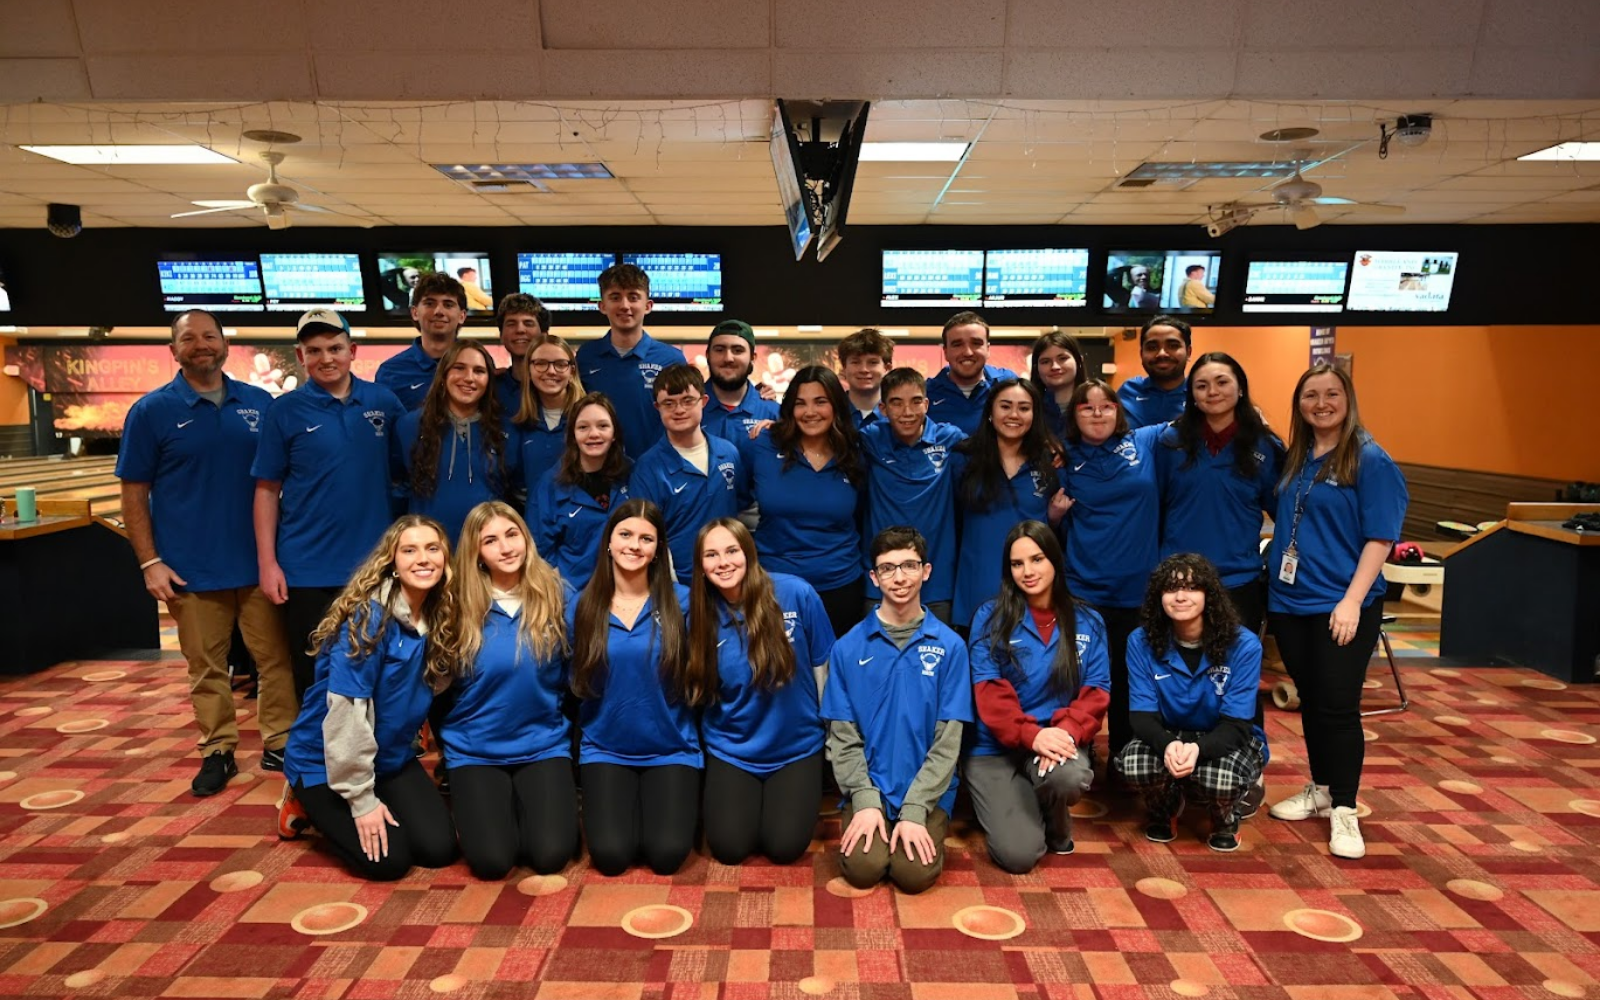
(1126, 451)
(937, 455)
(251, 418)
(1083, 645)
(1040, 484)
(377, 418)
(790, 620)
(726, 468)
(1260, 458)
(931, 657)
(648, 371)
(1219, 677)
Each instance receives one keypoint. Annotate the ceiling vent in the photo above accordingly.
(506, 187)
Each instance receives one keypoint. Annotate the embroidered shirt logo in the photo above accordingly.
(378, 419)
(930, 657)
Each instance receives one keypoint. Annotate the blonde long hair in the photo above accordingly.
(351, 611)
(540, 589)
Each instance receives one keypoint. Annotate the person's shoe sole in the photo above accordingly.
(1223, 844)
(1157, 835)
(1063, 849)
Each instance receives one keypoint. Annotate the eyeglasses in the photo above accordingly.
(560, 367)
(888, 571)
(1098, 411)
(914, 403)
(679, 405)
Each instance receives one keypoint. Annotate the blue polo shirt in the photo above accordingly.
(809, 525)
(542, 447)
(1211, 509)
(982, 559)
(897, 697)
(947, 404)
(508, 390)
(332, 458)
(631, 721)
(466, 478)
(507, 708)
(760, 730)
(567, 524)
(391, 678)
(1147, 404)
(1337, 523)
(408, 375)
(629, 382)
(912, 484)
(1196, 702)
(1054, 417)
(196, 458)
(688, 498)
(1113, 529)
(867, 419)
(1030, 670)
(734, 423)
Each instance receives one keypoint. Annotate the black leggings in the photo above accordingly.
(425, 836)
(1120, 623)
(631, 813)
(748, 814)
(1329, 678)
(843, 605)
(515, 814)
(302, 613)
(1250, 600)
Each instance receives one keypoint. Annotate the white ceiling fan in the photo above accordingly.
(1299, 199)
(275, 199)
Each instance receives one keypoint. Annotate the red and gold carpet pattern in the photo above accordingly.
(1482, 880)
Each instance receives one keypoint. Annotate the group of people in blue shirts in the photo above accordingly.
(613, 573)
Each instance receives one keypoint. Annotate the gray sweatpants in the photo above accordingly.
(1017, 808)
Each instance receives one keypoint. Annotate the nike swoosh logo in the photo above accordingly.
(1079, 466)
(310, 429)
(936, 402)
(1140, 399)
(186, 423)
(719, 645)
(418, 385)
(680, 489)
(862, 663)
(592, 371)
(1162, 677)
(574, 512)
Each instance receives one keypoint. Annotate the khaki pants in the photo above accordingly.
(866, 868)
(205, 633)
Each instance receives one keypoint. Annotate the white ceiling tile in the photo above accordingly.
(39, 28)
(185, 27)
(1514, 23)
(1547, 70)
(1192, 25)
(1341, 73)
(362, 73)
(684, 24)
(1104, 73)
(23, 80)
(443, 35)
(635, 73)
(1369, 24)
(221, 77)
(876, 29)
(910, 74)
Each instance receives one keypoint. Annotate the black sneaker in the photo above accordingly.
(1159, 831)
(1250, 804)
(215, 771)
(272, 760)
(1059, 846)
(1224, 834)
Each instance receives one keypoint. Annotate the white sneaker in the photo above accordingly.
(1346, 842)
(1312, 800)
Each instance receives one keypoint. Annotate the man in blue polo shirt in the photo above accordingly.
(624, 363)
(691, 475)
(322, 481)
(899, 691)
(910, 482)
(523, 321)
(1160, 395)
(735, 405)
(957, 394)
(438, 309)
(186, 495)
(866, 357)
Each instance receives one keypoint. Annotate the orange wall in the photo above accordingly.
(1486, 398)
(13, 394)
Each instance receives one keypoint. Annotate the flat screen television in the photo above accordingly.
(793, 192)
(1302, 284)
(398, 273)
(5, 293)
(840, 182)
(682, 282)
(1161, 281)
(563, 280)
(295, 282)
(1402, 280)
(932, 278)
(218, 282)
(1056, 278)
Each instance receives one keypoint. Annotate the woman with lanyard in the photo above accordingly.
(758, 657)
(1040, 674)
(568, 505)
(505, 740)
(1058, 368)
(1218, 465)
(1341, 502)
(805, 475)
(551, 388)
(1113, 525)
(1005, 473)
(1193, 673)
(455, 450)
(639, 759)
(349, 767)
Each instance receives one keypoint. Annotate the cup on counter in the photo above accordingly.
(27, 504)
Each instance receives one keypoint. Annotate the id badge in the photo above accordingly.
(1287, 568)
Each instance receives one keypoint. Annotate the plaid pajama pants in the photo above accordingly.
(1218, 783)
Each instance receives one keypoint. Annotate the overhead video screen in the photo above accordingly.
(218, 282)
(1035, 278)
(563, 280)
(1161, 281)
(682, 282)
(1402, 280)
(295, 282)
(932, 278)
(1295, 286)
(398, 273)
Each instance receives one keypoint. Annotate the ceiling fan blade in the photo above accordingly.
(211, 211)
(1329, 200)
(1305, 217)
(1375, 208)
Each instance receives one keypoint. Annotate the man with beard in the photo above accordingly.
(438, 310)
(186, 498)
(1160, 396)
(736, 404)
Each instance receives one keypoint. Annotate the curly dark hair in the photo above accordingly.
(1219, 624)
(435, 424)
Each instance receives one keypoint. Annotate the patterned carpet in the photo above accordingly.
(1482, 880)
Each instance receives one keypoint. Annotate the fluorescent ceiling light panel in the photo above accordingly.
(523, 171)
(912, 152)
(186, 153)
(1567, 151)
(1202, 170)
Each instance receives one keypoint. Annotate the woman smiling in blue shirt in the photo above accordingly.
(569, 504)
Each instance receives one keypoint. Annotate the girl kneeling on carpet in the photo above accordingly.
(349, 763)
(639, 759)
(504, 738)
(1041, 670)
(1193, 674)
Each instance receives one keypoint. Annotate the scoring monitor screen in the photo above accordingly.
(1035, 278)
(220, 283)
(1295, 286)
(682, 282)
(1402, 281)
(932, 278)
(294, 282)
(562, 280)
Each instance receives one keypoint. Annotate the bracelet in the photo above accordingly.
(150, 562)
